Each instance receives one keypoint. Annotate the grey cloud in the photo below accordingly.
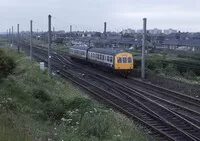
(90, 14)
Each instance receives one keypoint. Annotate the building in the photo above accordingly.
(140, 31)
(155, 31)
(186, 45)
(169, 31)
(128, 31)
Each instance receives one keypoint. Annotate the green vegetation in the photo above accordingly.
(184, 67)
(7, 64)
(32, 105)
(3, 41)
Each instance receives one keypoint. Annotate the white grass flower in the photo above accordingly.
(95, 109)
(63, 119)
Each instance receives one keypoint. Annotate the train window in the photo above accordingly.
(97, 56)
(124, 60)
(108, 58)
(119, 60)
(129, 60)
(111, 59)
(100, 57)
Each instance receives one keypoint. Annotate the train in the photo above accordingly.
(111, 59)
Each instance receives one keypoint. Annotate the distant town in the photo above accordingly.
(127, 39)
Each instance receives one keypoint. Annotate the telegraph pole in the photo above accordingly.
(18, 37)
(49, 45)
(31, 34)
(70, 35)
(143, 49)
(9, 35)
(104, 32)
(70, 29)
(12, 36)
(105, 26)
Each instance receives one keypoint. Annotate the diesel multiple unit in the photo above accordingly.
(116, 60)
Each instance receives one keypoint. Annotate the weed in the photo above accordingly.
(41, 94)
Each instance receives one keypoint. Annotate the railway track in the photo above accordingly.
(130, 109)
(182, 104)
(138, 106)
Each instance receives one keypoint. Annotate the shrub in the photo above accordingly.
(53, 110)
(189, 75)
(171, 70)
(7, 64)
(41, 94)
(97, 124)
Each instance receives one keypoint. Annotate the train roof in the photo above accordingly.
(108, 51)
(79, 47)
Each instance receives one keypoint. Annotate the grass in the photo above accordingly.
(32, 105)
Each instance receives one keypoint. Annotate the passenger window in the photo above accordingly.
(108, 58)
(129, 60)
(124, 60)
(119, 60)
(111, 59)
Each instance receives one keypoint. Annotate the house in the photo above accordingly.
(186, 45)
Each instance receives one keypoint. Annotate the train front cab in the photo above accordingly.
(123, 63)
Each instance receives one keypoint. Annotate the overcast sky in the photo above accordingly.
(183, 15)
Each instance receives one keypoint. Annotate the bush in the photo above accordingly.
(189, 75)
(97, 124)
(53, 110)
(7, 64)
(41, 95)
(171, 70)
